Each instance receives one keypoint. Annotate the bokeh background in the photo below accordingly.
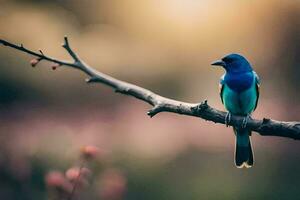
(165, 46)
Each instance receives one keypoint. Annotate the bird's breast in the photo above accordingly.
(239, 103)
(239, 82)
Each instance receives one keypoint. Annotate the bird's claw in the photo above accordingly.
(245, 121)
(227, 119)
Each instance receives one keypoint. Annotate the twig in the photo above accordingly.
(265, 127)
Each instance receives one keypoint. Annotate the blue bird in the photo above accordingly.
(239, 91)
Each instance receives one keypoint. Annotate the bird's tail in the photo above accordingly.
(243, 149)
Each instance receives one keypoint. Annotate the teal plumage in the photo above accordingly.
(239, 91)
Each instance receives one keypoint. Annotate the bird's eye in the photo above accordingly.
(227, 59)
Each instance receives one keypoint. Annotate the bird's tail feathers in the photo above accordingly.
(243, 148)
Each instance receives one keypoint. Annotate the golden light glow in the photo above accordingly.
(185, 11)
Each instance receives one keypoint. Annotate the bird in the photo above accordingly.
(239, 92)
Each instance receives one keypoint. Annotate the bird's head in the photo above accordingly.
(234, 63)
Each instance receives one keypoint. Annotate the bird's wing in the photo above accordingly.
(221, 87)
(257, 81)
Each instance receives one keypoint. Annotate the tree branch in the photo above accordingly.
(265, 127)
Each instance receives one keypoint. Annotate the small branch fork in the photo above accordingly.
(265, 127)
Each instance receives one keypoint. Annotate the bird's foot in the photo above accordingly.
(227, 119)
(245, 121)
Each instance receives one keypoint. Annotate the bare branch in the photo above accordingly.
(265, 127)
(40, 55)
(40, 52)
(66, 45)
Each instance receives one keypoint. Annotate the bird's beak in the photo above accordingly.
(219, 63)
